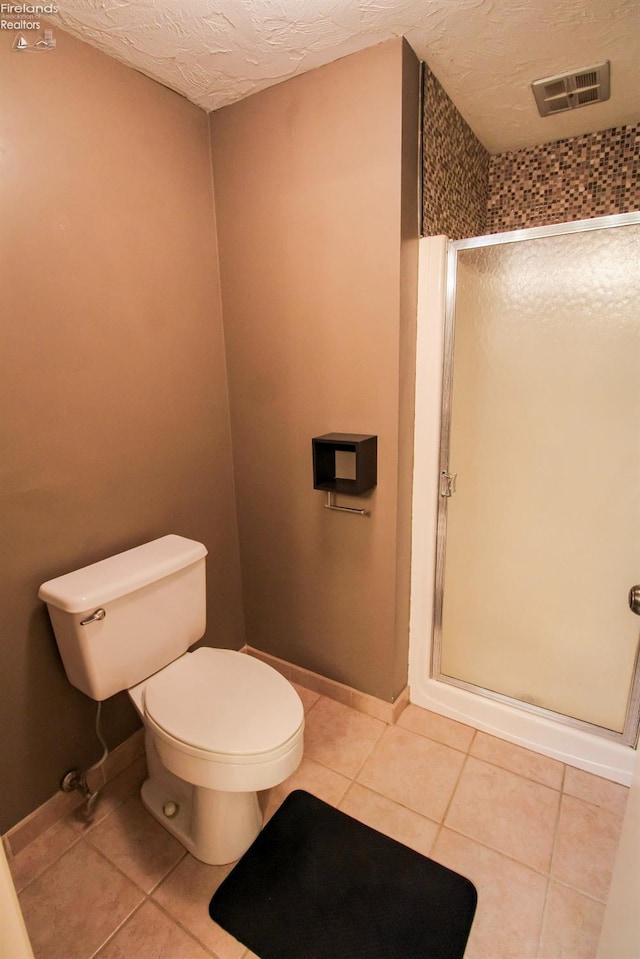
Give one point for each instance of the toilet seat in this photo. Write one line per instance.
(198, 704)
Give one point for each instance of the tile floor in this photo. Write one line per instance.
(537, 838)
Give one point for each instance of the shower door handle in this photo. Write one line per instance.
(634, 600)
(447, 483)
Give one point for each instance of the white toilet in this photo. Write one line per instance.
(219, 725)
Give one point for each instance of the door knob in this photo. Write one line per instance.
(634, 600)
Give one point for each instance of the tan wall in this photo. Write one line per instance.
(318, 271)
(114, 422)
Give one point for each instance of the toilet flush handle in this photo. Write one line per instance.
(94, 618)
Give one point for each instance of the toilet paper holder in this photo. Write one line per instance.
(331, 504)
(345, 463)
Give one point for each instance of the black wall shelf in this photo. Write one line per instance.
(365, 448)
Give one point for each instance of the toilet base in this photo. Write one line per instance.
(215, 827)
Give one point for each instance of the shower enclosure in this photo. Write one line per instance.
(536, 477)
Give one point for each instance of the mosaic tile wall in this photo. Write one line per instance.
(596, 174)
(467, 193)
(455, 169)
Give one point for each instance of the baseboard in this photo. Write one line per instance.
(363, 702)
(61, 804)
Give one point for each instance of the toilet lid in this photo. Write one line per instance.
(224, 702)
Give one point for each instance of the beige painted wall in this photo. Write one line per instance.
(114, 423)
(316, 197)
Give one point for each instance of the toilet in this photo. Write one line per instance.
(219, 725)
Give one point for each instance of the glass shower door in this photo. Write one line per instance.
(540, 481)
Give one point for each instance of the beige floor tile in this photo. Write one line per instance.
(442, 730)
(138, 845)
(340, 737)
(390, 818)
(314, 778)
(151, 934)
(513, 815)
(185, 895)
(595, 790)
(586, 844)
(524, 762)
(414, 771)
(73, 907)
(510, 898)
(31, 861)
(572, 924)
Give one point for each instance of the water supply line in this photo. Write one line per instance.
(76, 780)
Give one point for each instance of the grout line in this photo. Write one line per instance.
(554, 845)
(117, 868)
(513, 772)
(347, 791)
(543, 918)
(455, 788)
(110, 937)
(146, 892)
(580, 892)
(546, 908)
(397, 802)
(457, 749)
(564, 778)
(547, 894)
(173, 868)
(182, 925)
(499, 852)
(324, 765)
(371, 751)
(376, 792)
(439, 832)
(149, 897)
(96, 848)
(313, 704)
(49, 864)
(546, 874)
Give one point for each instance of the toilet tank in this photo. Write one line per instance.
(154, 604)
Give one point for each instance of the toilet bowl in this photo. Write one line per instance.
(219, 725)
(223, 725)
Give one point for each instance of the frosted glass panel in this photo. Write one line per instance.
(543, 531)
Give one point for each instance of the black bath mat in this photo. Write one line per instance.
(317, 884)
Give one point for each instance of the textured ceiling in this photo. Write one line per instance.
(484, 52)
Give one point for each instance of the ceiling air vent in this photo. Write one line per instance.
(568, 91)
